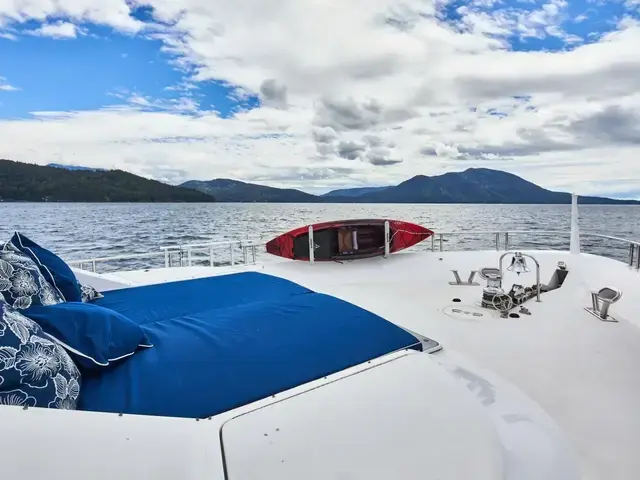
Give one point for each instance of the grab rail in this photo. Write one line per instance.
(188, 255)
(247, 247)
(634, 246)
(199, 253)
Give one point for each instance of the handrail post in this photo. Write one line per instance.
(433, 243)
(93, 266)
(574, 245)
(441, 242)
(497, 242)
(211, 255)
(188, 256)
(253, 253)
(233, 262)
(638, 258)
(166, 258)
(632, 249)
(387, 240)
(506, 241)
(312, 252)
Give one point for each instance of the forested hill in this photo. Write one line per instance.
(35, 183)
(474, 185)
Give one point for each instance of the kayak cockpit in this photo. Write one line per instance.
(335, 243)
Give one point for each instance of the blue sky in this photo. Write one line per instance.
(280, 89)
(96, 68)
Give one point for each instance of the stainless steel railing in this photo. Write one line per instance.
(188, 254)
(237, 252)
(247, 251)
(502, 239)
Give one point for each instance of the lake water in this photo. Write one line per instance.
(78, 231)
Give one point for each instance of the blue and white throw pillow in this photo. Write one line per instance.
(55, 270)
(89, 294)
(34, 370)
(94, 336)
(21, 283)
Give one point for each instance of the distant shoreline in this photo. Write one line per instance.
(617, 203)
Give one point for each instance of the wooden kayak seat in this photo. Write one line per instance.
(345, 240)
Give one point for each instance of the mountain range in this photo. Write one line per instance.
(474, 185)
(63, 183)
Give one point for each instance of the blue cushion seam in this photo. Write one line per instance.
(222, 309)
(42, 265)
(215, 309)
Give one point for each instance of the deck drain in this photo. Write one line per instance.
(514, 315)
(457, 300)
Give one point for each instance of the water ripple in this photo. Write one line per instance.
(77, 230)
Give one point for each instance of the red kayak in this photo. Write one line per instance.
(347, 240)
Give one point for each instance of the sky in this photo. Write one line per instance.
(323, 94)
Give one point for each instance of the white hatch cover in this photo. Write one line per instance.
(403, 419)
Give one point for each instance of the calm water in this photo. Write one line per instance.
(95, 230)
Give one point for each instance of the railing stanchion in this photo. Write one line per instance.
(632, 249)
(166, 258)
(506, 241)
(433, 243)
(93, 266)
(312, 252)
(441, 246)
(387, 240)
(188, 256)
(233, 260)
(253, 253)
(211, 255)
(638, 257)
(497, 242)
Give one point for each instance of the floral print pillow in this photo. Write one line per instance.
(21, 283)
(35, 371)
(89, 294)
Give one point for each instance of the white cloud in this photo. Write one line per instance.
(357, 92)
(56, 30)
(113, 13)
(6, 87)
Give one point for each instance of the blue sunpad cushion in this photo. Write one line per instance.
(211, 361)
(94, 336)
(34, 370)
(21, 282)
(52, 267)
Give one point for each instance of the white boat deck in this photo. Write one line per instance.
(581, 371)
(554, 395)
